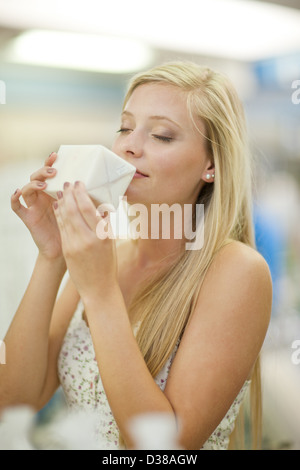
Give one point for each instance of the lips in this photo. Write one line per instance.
(138, 172)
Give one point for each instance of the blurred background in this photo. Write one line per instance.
(64, 67)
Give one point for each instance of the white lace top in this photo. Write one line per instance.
(83, 389)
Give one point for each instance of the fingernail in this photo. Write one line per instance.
(76, 184)
(50, 170)
(66, 185)
(59, 194)
(16, 191)
(40, 184)
(55, 205)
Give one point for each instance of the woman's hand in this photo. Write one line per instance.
(38, 216)
(91, 261)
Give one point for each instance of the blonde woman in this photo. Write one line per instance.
(157, 327)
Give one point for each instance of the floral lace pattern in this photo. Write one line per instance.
(80, 380)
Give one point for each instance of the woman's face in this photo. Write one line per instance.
(158, 137)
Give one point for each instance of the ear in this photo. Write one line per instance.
(209, 173)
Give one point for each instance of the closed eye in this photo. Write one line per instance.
(123, 130)
(162, 138)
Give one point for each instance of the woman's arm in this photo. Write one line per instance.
(29, 375)
(27, 340)
(129, 386)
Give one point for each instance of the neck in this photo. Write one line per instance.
(151, 253)
(160, 233)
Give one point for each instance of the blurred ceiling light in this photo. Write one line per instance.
(78, 51)
(236, 29)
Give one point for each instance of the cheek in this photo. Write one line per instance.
(174, 180)
(180, 169)
(185, 178)
(167, 160)
(116, 147)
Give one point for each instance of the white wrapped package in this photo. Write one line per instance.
(106, 176)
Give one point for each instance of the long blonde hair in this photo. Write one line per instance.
(165, 304)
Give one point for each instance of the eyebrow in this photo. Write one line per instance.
(156, 118)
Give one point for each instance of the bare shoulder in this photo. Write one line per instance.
(244, 265)
(241, 259)
(239, 277)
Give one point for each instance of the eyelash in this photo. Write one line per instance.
(159, 137)
(163, 138)
(123, 130)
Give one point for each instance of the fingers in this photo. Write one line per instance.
(43, 173)
(16, 205)
(86, 206)
(51, 159)
(38, 180)
(30, 190)
(46, 171)
(98, 220)
(75, 208)
(76, 220)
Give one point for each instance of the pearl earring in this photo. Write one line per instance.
(208, 176)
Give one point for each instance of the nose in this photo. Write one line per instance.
(132, 144)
